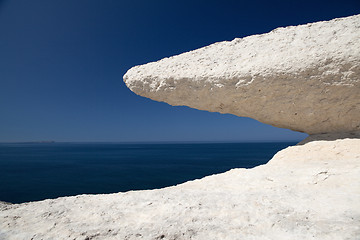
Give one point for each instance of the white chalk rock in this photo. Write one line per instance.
(305, 78)
(305, 192)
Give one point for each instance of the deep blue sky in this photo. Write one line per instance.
(62, 62)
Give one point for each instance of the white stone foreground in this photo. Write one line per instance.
(310, 191)
(305, 78)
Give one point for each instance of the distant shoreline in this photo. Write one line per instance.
(47, 141)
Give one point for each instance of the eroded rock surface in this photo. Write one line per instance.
(305, 78)
(305, 192)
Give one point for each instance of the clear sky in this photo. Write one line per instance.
(62, 62)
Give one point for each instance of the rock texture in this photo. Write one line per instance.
(310, 191)
(305, 78)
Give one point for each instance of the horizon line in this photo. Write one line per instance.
(153, 142)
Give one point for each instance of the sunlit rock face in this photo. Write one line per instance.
(305, 78)
(310, 191)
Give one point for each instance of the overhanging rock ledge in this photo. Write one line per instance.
(304, 78)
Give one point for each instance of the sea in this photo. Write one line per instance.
(38, 171)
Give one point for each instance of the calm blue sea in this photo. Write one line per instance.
(37, 171)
